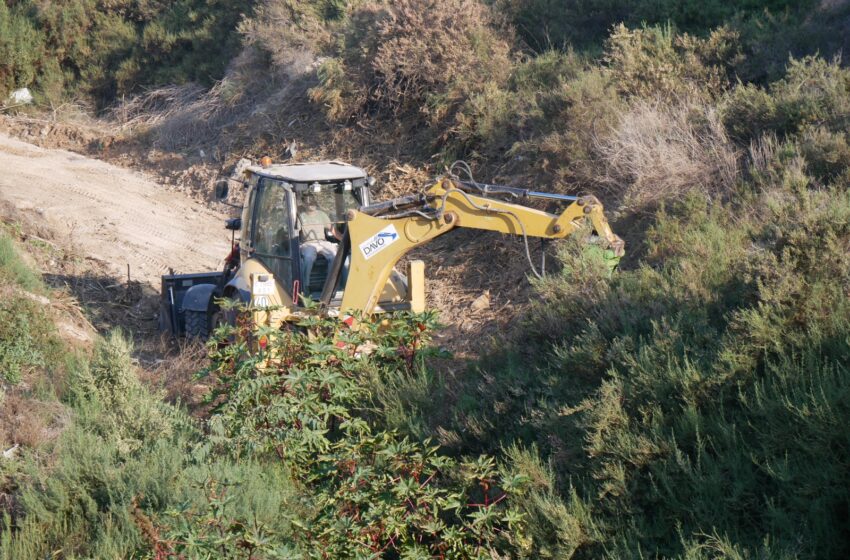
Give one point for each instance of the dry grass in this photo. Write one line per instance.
(29, 422)
(251, 108)
(180, 116)
(175, 372)
(771, 161)
(659, 151)
(762, 154)
(291, 32)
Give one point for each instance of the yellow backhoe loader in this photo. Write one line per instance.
(311, 231)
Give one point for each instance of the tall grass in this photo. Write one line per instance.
(27, 335)
(124, 456)
(662, 152)
(13, 269)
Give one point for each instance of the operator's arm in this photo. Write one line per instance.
(330, 227)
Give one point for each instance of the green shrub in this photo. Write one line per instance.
(770, 38)
(551, 130)
(694, 404)
(100, 49)
(298, 398)
(76, 497)
(132, 415)
(20, 49)
(545, 24)
(420, 59)
(657, 62)
(189, 40)
(814, 93)
(14, 270)
(532, 103)
(229, 510)
(827, 154)
(81, 506)
(27, 336)
(27, 340)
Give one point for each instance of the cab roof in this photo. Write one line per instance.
(307, 172)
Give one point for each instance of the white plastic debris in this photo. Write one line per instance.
(21, 96)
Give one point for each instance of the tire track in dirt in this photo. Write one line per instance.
(112, 214)
(150, 230)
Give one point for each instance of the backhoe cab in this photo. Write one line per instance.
(292, 223)
(311, 230)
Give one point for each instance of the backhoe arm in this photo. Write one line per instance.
(381, 234)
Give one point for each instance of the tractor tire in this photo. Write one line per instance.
(197, 324)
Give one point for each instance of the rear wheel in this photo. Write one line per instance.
(197, 324)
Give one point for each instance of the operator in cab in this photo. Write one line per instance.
(314, 222)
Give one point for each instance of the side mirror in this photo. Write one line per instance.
(221, 189)
(234, 224)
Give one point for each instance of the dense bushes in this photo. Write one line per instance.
(546, 24)
(75, 497)
(657, 62)
(299, 402)
(414, 59)
(638, 128)
(429, 56)
(451, 78)
(293, 464)
(20, 44)
(100, 49)
(700, 397)
(691, 406)
(814, 93)
(69, 475)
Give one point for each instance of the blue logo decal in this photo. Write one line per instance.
(388, 234)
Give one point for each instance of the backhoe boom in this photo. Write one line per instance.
(381, 234)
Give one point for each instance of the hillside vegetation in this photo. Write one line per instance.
(693, 405)
(100, 49)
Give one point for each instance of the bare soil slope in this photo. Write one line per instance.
(162, 218)
(112, 215)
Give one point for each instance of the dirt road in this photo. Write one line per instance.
(111, 214)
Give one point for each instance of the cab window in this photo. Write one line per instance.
(247, 210)
(324, 208)
(272, 236)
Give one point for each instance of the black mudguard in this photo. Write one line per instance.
(199, 297)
